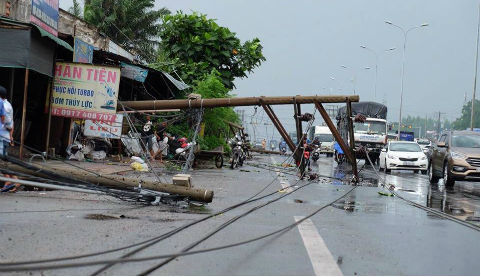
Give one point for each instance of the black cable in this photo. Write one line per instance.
(440, 214)
(154, 242)
(63, 161)
(83, 264)
(218, 229)
(166, 235)
(122, 195)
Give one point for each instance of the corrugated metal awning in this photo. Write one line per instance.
(178, 84)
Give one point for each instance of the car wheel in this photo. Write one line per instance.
(386, 170)
(448, 180)
(432, 178)
(416, 171)
(424, 172)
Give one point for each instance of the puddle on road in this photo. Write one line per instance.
(101, 217)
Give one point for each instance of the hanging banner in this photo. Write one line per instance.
(133, 72)
(82, 51)
(45, 15)
(100, 129)
(85, 91)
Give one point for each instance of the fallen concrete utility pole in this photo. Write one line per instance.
(200, 195)
(265, 151)
(234, 102)
(266, 103)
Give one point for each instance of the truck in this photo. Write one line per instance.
(371, 134)
(325, 137)
(406, 136)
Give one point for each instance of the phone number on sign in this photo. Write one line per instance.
(83, 114)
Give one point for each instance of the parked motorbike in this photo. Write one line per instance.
(316, 153)
(283, 150)
(238, 153)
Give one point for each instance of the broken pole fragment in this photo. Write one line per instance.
(200, 195)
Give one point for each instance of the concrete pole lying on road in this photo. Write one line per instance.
(200, 195)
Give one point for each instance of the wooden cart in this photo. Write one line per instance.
(217, 154)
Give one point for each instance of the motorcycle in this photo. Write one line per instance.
(283, 150)
(238, 153)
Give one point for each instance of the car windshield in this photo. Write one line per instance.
(423, 142)
(371, 127)
(325, 137)
(467, 141)
(405, 147)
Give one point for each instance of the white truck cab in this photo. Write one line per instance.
(323, 133)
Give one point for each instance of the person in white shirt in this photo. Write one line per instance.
(6, 126)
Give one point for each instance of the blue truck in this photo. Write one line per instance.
(406, 136)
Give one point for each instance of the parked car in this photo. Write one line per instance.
(455, 157)
(403, 155)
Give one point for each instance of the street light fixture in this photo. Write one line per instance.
(405, 33)
(354, 73)
(377, 61)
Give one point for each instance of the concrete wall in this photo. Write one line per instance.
(74, 26)
(20, 9)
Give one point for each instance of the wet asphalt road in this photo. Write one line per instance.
(362, 234)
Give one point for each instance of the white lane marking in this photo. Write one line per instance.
(321, 259)
(282, 179)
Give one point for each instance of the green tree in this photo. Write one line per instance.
(133, 24)
(76, 9)
(216, 130)
(196, 45)
(464, 122)
(209, 57)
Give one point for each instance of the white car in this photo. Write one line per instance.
(425, 144)
(403, 155)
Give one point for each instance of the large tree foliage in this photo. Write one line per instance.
(134, 24)
(215, 128)
(196, 45)
(209, 57)
(464, 122)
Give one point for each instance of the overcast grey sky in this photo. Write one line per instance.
(306, 42)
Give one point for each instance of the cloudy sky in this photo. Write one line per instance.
(306, 43)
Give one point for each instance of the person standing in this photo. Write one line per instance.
(4, 133)
(6, 129)
(147, 135)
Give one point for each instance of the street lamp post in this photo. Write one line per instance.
(377, 61)
(354, 73)
(405, 33)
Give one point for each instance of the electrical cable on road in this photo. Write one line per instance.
(144, 153)
(83, 264)
(122, 195)
(150, 270)
(412, 203)
(218, 229)
(163, 236)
